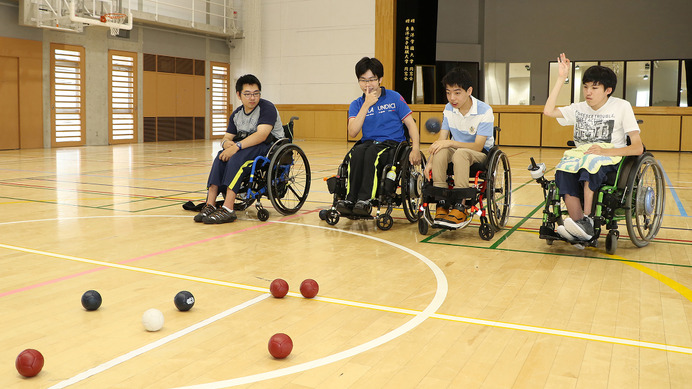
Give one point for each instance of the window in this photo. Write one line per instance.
(122, 97)
(219, 98)
(519, 91)
(637, 83)
(67, 95)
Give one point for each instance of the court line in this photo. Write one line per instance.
(681, 208)
(134, 353)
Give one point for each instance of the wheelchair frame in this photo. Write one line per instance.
(632, 196)
(409, 181)
(273, 176)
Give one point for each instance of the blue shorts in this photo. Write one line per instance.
(573, 183)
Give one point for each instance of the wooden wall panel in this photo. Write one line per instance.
(331, 125)
(555, 135)
(686, 134)
(521, 129)
(150, 89)
(184, 95)
(304, 127)
(385, 28)
(9, 103)
(30, 102)
(198, 96)
(660, 132)
(166, 90)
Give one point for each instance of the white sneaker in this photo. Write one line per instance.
(562, 231)
(581, 229)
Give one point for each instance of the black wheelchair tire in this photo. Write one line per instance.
(643, 224)
(384, 222)
(486, 231)
(278, 187)
(499, 212)
(423, 226)
(332, 217)
(262, 215)
(411, 190)
(611, 242)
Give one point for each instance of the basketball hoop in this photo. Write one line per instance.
(115, 19)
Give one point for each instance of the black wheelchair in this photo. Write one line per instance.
(634, 193)
(283, 175)
(489, 194)
(404, 192)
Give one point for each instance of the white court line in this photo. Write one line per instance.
(126, 357)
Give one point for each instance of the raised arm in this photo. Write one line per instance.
(563, 72)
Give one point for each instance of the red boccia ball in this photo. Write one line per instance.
(309, 288)
(29, 362)
(280, 345)
(278, 288)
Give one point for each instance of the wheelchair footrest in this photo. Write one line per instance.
(433, 194)
(547, 233)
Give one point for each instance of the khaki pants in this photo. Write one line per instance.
(462, 158)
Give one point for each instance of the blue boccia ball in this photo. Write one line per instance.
(433, 125)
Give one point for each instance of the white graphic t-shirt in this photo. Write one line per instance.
(609, 124)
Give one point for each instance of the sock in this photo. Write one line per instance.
(226, 208)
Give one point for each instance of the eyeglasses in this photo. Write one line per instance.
(367, 81)
(247, 95)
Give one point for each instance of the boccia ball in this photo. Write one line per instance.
(91, 300)
(152, 319)
(433, 125)
(309, 288)
(29, 362)
(184, 300)
(278, 288)
(280, 345)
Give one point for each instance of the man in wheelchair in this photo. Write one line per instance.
(470, 123)
(601, 125)
(251, 129)
(381, 115)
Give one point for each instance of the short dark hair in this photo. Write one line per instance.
(601, 75)
(247, 79)
(459, 77)
(373, 64)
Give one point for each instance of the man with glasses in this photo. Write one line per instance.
(381, 115)
(252, 128)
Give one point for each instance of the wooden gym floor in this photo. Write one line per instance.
(395, 309)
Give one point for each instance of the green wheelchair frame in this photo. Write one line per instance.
(635, 193)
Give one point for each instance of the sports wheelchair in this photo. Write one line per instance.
(634, 193)
(283, 175)
(406, 191)
(491, 181)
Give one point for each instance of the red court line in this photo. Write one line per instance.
(64, 278)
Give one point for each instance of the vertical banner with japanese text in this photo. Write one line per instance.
(416, 41)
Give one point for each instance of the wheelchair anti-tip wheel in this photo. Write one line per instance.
(499, 190)
(288, 179)
(646, 198)
(384, 222)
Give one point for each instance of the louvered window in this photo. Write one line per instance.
(67, 95)
(219, 98)
(122, 97)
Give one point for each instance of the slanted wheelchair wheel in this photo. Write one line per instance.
(486, 231)
(263, 214)
(332, 217)
(646, 198)
(498, 192)
(612, 241)
(412, 188)
(384, 222)
(288, 179)
(423, 226)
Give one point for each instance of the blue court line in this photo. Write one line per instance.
(673, 192)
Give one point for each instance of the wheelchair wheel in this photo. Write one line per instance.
(646, 198)
(612, 241)
(423, 226)
(412, 187)
(263, 215)
(288, 179)
(498, 192)
(486, 231)
(384, 222)
(332, 217)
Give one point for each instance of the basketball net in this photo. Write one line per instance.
(115, 17)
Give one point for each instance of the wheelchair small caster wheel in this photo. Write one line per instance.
(323, 214)
(486, 231)
(332, 217)
(263, 215)
(612, 241)
(384, 222)
(549, 242)
(423, 226)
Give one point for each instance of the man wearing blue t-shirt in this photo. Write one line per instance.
(470, 123)
(381, 115)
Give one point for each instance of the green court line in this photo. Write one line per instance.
(516, 226)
